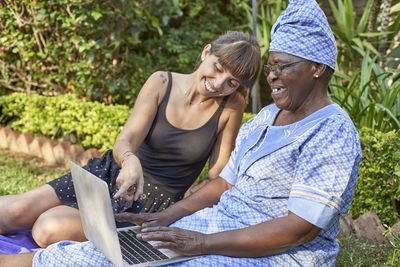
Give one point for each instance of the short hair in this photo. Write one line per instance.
(239, 53)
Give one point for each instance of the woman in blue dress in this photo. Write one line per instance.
(292, 173)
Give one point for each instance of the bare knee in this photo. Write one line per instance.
(45, 231)
(13, 215)
(53, 226)
(21, 211)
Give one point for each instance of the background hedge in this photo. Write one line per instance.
(378, 186)
(104, 49)
(95, 124)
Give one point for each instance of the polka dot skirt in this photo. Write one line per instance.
(156, 197)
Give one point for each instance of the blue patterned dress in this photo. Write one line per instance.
(309, 167)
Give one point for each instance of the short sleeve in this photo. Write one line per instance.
(326, 171)
(228, 172)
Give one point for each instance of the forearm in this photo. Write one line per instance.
(122, 149)
(205, 197)
(275, 236)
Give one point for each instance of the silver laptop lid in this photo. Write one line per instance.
(96, 213)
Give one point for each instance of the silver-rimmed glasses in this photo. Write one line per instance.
(278, 68)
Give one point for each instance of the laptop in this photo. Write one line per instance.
(120, 245)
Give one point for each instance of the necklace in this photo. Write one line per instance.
(191, 102)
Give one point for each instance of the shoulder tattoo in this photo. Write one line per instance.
(164, 79)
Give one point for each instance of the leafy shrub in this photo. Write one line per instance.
(370, 95)
(378, 186)
(394, 258)
(100, 49)
(247, 116)
(96, 124)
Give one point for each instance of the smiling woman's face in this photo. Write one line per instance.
(292, 85)
(215, 79)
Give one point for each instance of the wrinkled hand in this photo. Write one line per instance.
(145, 219)
(185, 242)
(130, 180)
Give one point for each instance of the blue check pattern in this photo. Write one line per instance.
(312, 174)
(303, 30)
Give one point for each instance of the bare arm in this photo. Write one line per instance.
(274, 236)
(133, 134)
(210, 193)
(225, 143)
(206, 196)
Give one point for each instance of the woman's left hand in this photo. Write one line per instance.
(146, 219)
(185, 242)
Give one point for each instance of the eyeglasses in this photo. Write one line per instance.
(278, 68)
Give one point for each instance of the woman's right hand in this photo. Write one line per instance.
(145, 219)
(130, 180)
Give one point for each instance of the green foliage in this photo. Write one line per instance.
(183, 40)
(350, 37)
(267, 13)
(372, 101)
(96, 124)
(70, 45)
(354, 38)
(378, 185)
(100, 49)
(247, 116)
(394, 258)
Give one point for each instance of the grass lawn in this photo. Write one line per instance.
(20, 174)
(357, 252)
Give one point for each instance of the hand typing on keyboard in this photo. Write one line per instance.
(185, 242)
(146, 219)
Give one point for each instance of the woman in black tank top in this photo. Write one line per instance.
(179, 121)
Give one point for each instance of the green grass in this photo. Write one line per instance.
(358, 252)
(19, 175)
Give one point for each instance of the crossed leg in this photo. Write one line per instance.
(42, 211)
(57, 224)
(20, 260)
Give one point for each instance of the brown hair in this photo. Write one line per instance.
(239, 53)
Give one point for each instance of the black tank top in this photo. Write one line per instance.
(175, 157)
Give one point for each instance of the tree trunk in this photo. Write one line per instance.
(384, 28)
(376, 9)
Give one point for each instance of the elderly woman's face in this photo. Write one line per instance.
(291, 80)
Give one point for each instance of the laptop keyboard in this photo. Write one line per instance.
(135, 251)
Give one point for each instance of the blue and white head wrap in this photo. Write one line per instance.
(303, 31)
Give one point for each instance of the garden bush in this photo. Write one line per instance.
(101, 49)
(96, 124)
(378, 186)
